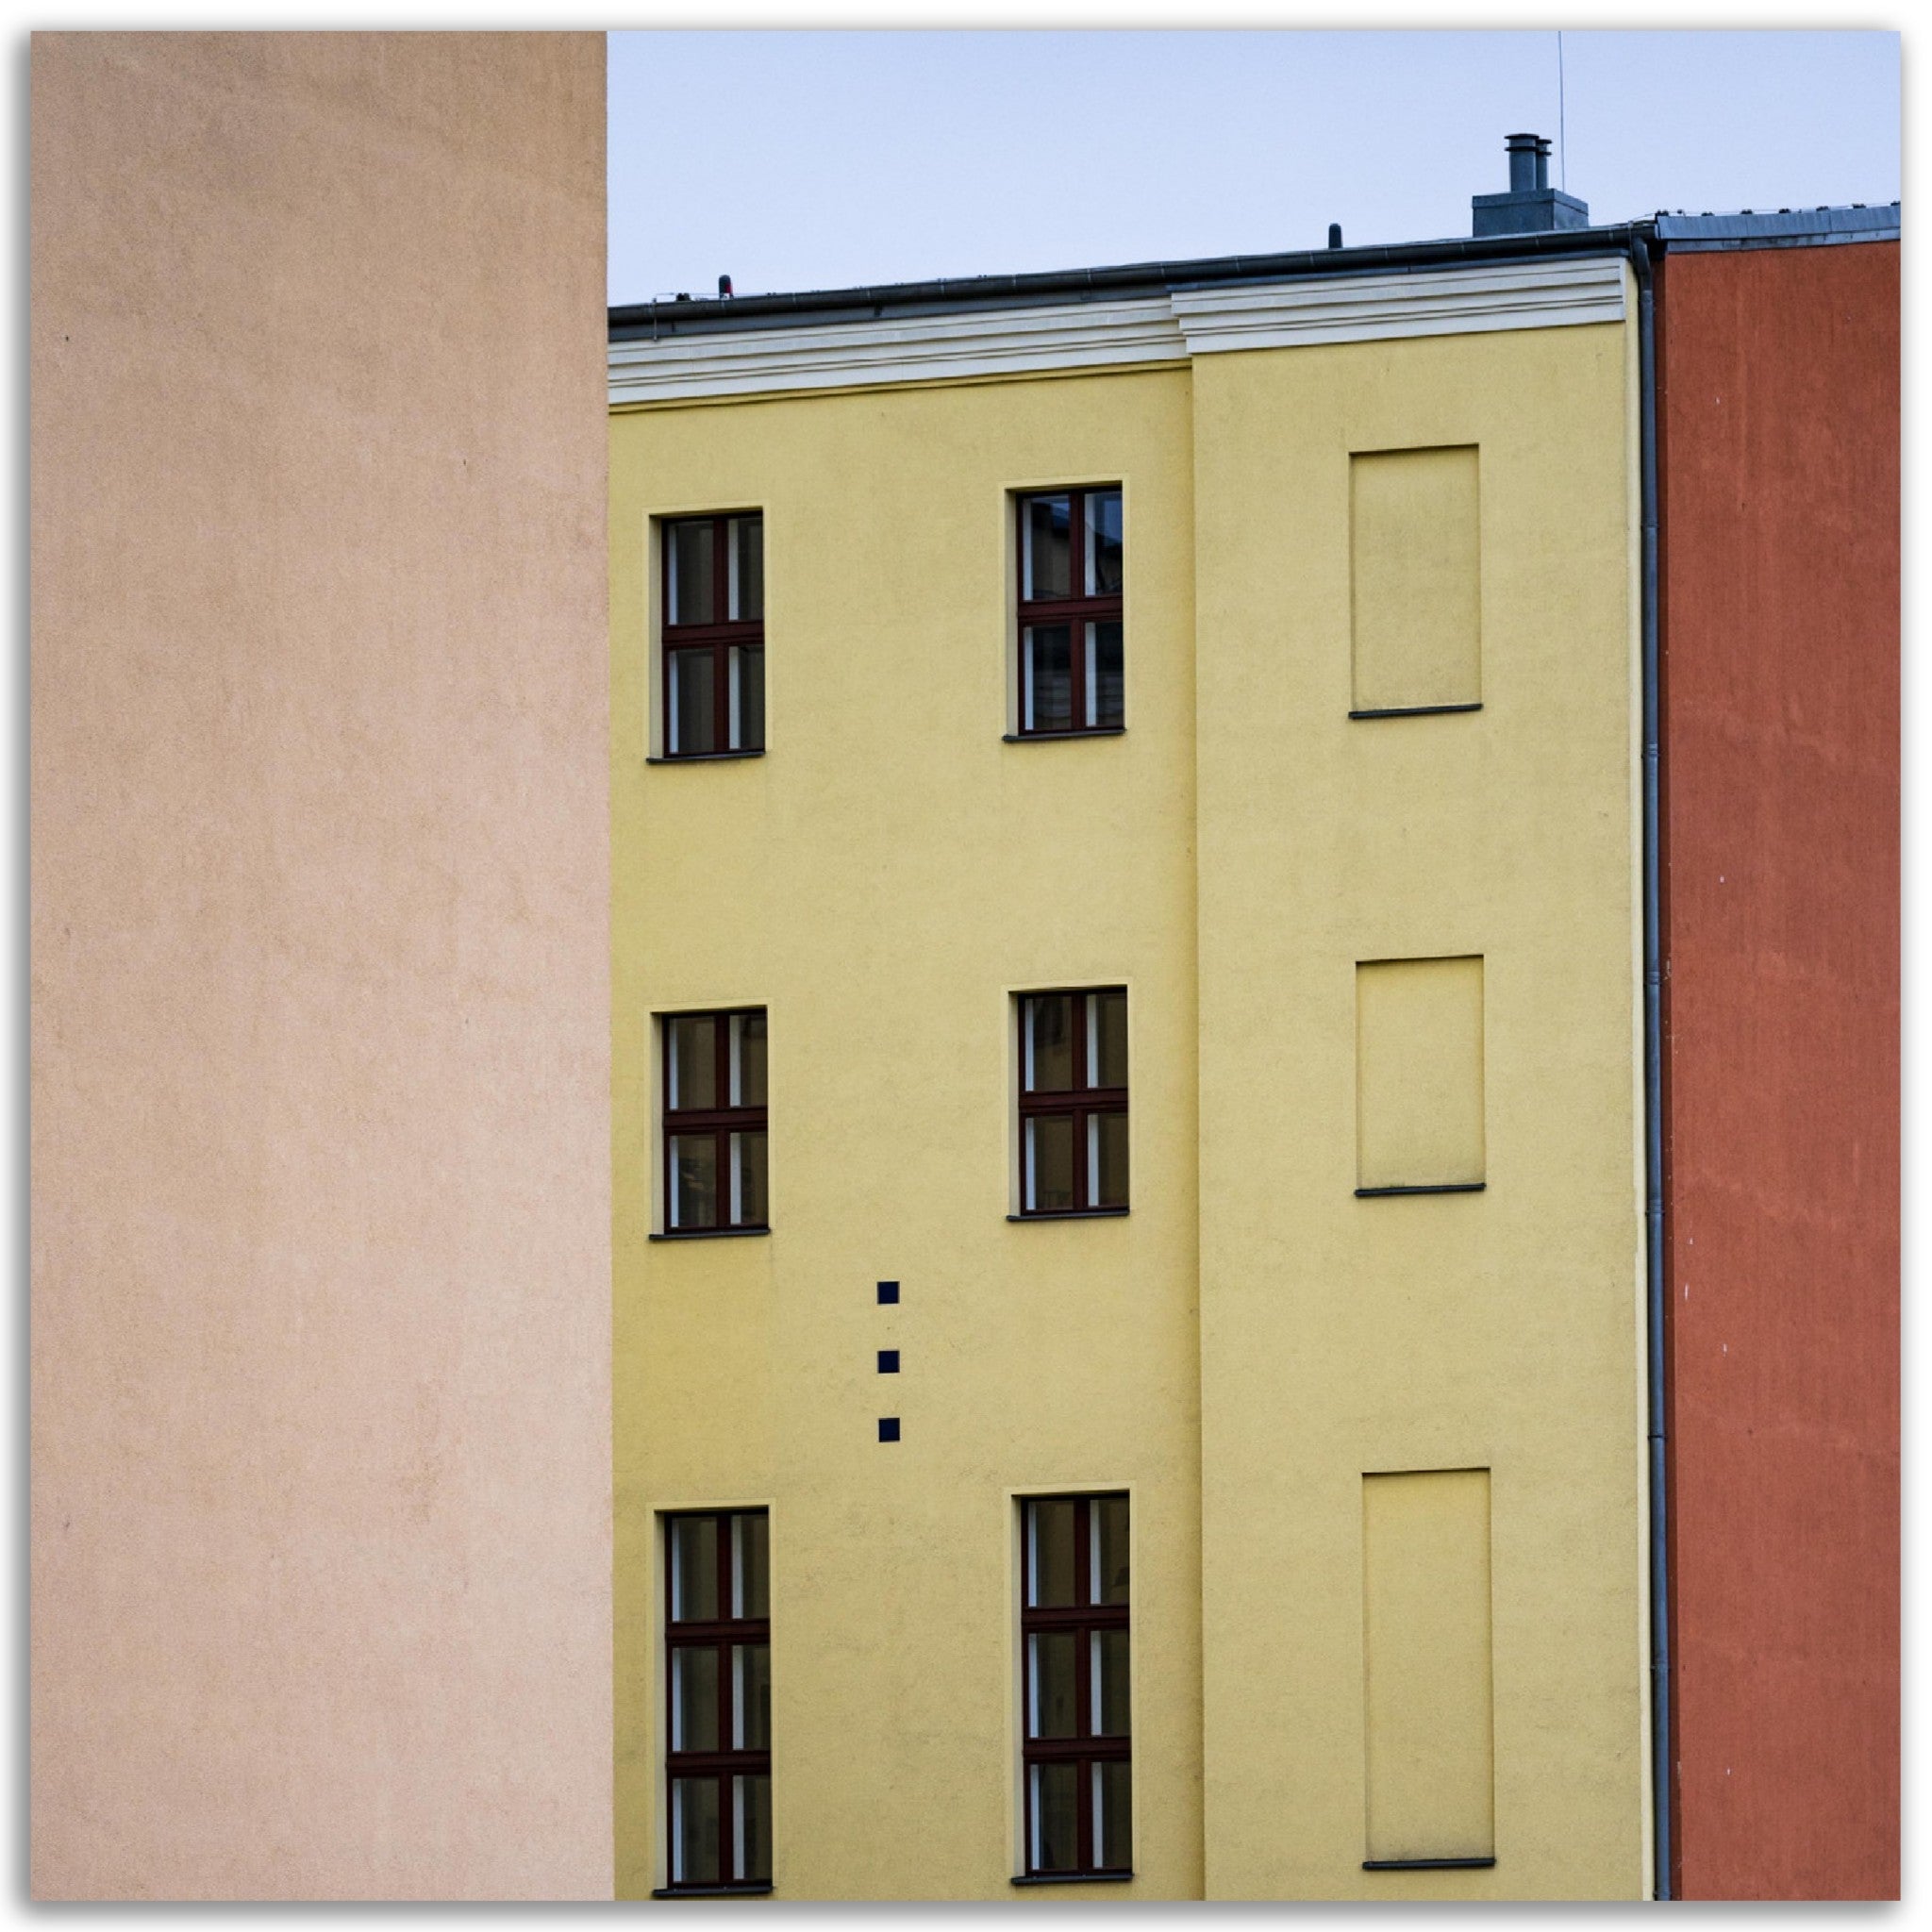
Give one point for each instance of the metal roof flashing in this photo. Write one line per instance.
(1803, 227)
(812, 308)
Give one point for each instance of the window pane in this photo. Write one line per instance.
(747, 1048)
(1107, 1672)
(1107, 684)
(1103, 537)
(693, 1180)
(747, 687)
(1108, 1516)
(1107, 1040)
(748, 1204)
(751, 1591)
(694, 1698)
(750, 1802)
(1049, 1157)
(1050, 1552)
(694, 1569)
(1053, 1708)
(1044, 562)
(747, 547)
(1055, 1817)
(751, 1697)
(1113, 1816)
(695, 1831)
(1048, 1044)
(692, 1061)
(1046, 678)
(693, 712)
(1106, 1159)
(689, 563)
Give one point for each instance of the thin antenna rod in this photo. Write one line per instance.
(1562, 146)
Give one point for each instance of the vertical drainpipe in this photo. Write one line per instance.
(1653, 1073)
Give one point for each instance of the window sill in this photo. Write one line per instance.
(1435, 1188)
(1426, 1864)
(1416, 710)
(1076, 1878)
(712, 1891)
(1054, 736)
(703, 758)
(708, 1233)
(1074, 1214)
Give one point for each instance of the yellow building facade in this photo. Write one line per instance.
(1355, 1325)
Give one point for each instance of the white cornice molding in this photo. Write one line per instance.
(1433, 302)
(924, 348)
(1094, 335)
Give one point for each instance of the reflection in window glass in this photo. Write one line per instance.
(1106, 1159)
(1045, 562)
(747, 1050)
(1048, 677)
(746, 688)
(694, 1698)
(751, 1573)
(751, 1697)
(748, 1204)
(689, 560)
(694, 1569)
(1108, 1675)
(692, 1060)
(745, 547)
(1054, 1705)
(1049, 1162)
(1055, 1817)
(1107, 1039)
(1113, 1815)
(695, 1831)
(752, 1800)
(1108, 1518)
(1104, 575)
(1050, 1558)
(1049, 1040)
(693, 724)
(1106, 676)
(693, 1180)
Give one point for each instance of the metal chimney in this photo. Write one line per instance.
(1531, 203)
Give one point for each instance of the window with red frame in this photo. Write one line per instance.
(714, 636)
(1073, 1102)
(714, 1122)
(1071, 576)
(1078, 1751)
(718, 1676)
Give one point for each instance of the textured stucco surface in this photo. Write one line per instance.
(320, 1196)
(1780, 414)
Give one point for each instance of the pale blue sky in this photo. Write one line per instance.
(818, 160)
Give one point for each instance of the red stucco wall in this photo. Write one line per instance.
(1780, 470)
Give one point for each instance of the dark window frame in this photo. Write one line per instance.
(721, 1634)
(1075, 612)
(718, 637)
(1083, 1617)
(1078, 1102)
(721, 1122)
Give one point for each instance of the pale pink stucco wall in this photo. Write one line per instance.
(320, 869)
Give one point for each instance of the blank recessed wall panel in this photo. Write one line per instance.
(1416, 578)
(1418, 1073)
(1425, 1665)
